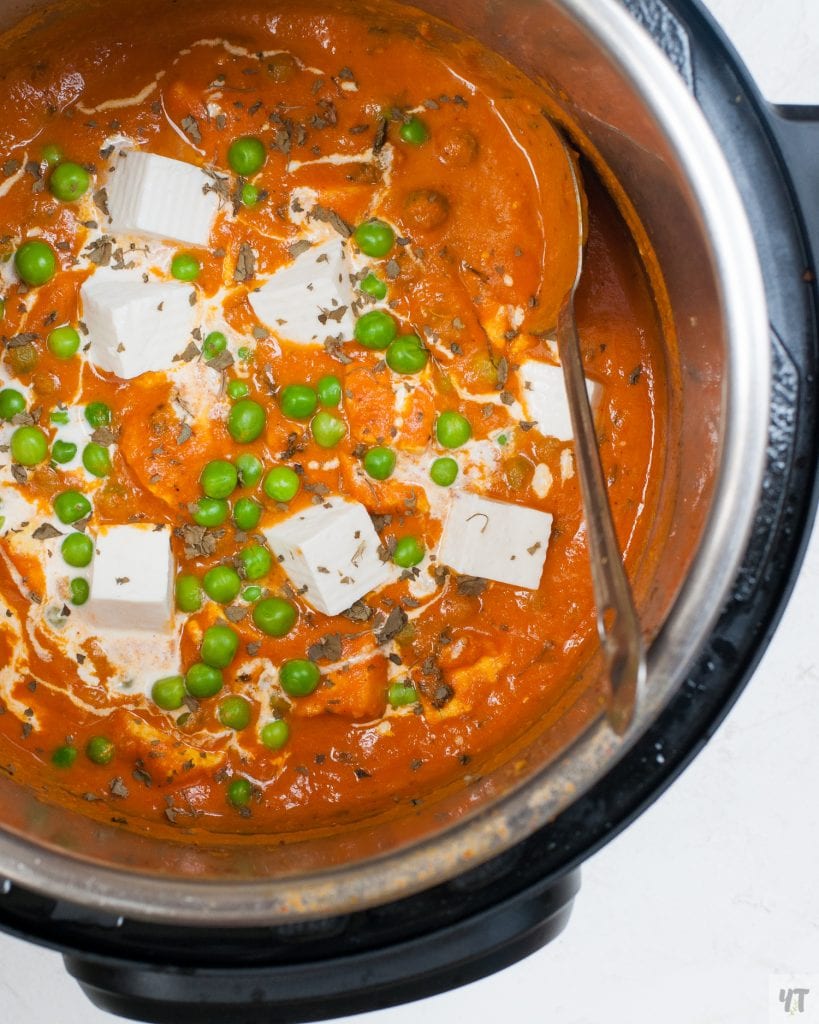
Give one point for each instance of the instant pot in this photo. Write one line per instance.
(170, 932)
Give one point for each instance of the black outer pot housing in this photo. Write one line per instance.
(505, 909)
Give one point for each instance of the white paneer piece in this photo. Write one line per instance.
(154, 195)
(135, 327)
(132, 578)
(311, 298)
(330, 550)
(544, 399)
(495, 540)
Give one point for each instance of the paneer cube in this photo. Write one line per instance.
(153, 195)
(495, 540)
(135, 327)
(544, 398)
(330, 554)
(132, 578)
(309, 299)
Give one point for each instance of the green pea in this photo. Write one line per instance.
(12, 402)
(213, 344)
(202, 681)
(375, 329)
(444, 471)
(35, 262)
(274, 735)
(69, 182)
(52, 154)
(249, 469)
(59, 416)
(237, 389)
(63, 342)
(274, 616)
(327, 429)
(245, 354)
(246, 421)
(299, 677)
(234, 712)
(29, 446)
(63, 451)
(2, 309)
(77, 550)
(100, 750)
(298, 401)
(219, 646)
(414, 132)
(256, 561)
(71, 506)
(239, 792)
(379, 462)
(251, 594)
(250, 194)
(185, 267)
(246, 514)
(96, 459)
(281, 483)
(79, 590)
(328, 390)
(169, 693)
(211, 512)
(246, 155)
(374, 238)
(409, 551)
(222, 584)
(98, 414)
(189, 596)
(452, 429)
(374, 286)
(64, 757)
(219, 478)
(407, 355)
(401, 694)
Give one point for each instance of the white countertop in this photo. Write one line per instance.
(693, 913)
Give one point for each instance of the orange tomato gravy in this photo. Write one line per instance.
(478, 278)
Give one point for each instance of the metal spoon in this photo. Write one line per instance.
(617, 622)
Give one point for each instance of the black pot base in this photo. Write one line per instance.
(316, 990)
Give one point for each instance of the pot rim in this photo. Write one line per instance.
(541, 798)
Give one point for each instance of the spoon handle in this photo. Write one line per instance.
(617, 622)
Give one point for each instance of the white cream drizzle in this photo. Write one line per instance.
(514, 409)
(125, 101)
(542, 480)
(566, 464)
(175, 127)
(337, 159)
(12, 673)
(12, 180)
(148, 89)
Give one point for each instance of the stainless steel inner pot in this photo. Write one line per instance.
(634, 110)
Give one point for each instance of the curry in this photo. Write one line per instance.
(291, 529)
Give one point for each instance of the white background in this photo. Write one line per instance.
(689, 916)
